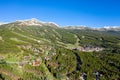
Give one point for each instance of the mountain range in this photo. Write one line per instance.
(36, 22)
(32, 49)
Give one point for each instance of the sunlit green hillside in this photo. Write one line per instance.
(49, 52)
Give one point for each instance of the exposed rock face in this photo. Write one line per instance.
(30, 22)
(35, 22)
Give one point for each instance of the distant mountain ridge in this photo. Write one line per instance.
(109, 28)
(36, 22)
(32, 22)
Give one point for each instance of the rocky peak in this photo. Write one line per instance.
(30, 22)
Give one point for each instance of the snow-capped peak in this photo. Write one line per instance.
(32, 21)
(36, 22)
(109, 27)
(51, 24)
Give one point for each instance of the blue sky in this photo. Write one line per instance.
(92, 13)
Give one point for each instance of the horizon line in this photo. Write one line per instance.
(105, 26)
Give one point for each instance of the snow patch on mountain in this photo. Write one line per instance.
(114, 28)
(36, 22)
(76, 27)
(51, 24)
(30, 22)
(109, 27)
(105, 28)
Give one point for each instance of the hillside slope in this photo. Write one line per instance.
(44, 51)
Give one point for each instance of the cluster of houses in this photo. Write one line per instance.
(21, 64)
(89, 49)
(1, 57)
(40, 49)
(36, 62)
(26, 60)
